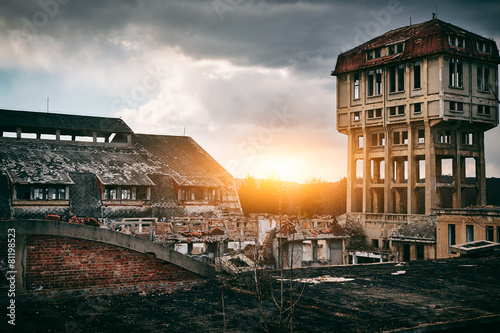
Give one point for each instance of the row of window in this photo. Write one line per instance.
(454, 41)
(126, 193)
(385, 51)
(400, 137)
(469, 234)
(400, 110)
(40, 192)
(397, 78)
(457, 41)
(198, 193)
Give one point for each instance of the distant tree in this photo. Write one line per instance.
(270, 189)
(339, 198)
(311, 196)
(249, 195)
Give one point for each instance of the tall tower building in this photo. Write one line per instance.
(415, 104)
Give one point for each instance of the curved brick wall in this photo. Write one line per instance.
(63, 264)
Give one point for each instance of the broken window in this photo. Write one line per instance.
(483, 110)
(456, 106)
(456, 41)
(378, 140)
(417, 108)
(444, 136)
(356, 85)
(40, 192)
(456, 73)
(374, 82)
(397, 110)
(416, 75)
(400, 137)
(469, 230)
(421, 135)
(483, 47)
(126, 193)
(470, 170)
(397, 78)
(467, 138)
(489, 233)
(377, 113)
(401, 77)
(378, 81)
(445, 165)
(110, 193)
(371, 77)
(483, 77)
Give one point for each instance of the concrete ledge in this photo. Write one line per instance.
(42, 227)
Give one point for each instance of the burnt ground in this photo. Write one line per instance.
(428, 292)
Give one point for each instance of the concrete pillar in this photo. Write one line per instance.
(430, 170)
(458, 168)
(410, 194)
(366, 173)
(388, 174)
(58, 135)
(350, 173)
(18, 131)
(481, 171)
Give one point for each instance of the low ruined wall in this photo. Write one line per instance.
(56, 257)
(61, 264)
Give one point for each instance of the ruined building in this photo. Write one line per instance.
(415, 104)
(98, 167)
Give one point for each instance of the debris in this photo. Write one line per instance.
(320, 279)
(398, 273)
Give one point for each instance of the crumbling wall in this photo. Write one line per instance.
(62, 264)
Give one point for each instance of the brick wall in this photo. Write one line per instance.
(62, 264)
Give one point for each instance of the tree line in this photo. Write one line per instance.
(314, 197)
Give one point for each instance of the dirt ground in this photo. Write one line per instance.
(375, 300)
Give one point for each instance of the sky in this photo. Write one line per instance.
(249, 80)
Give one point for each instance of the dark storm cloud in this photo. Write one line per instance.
(305, 35)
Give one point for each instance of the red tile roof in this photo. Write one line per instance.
(424, 39)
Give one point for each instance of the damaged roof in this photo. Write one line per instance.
(424, 39)
(424, 232)
(184, 160)
(35, 121)
(36, 162)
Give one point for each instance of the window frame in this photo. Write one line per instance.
(356, 86)
(456, 73)
(402, 137)
(397, 78)
(483, 77)
(417, 69)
